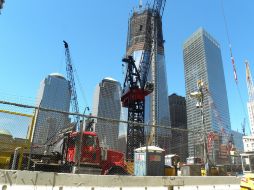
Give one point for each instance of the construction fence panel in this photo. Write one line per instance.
(15, 126)
(50, 140)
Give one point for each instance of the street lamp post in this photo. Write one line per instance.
(199, 96)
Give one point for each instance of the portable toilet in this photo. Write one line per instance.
(149, 161)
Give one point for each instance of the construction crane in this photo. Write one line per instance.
(250, 103)
(1, 5)
(136, 87)
(70, 77)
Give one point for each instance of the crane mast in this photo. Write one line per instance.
(250, 103)
(249, 82)
(136, 86)
(70, 77)
(1, 4)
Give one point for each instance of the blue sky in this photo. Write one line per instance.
(31, 34)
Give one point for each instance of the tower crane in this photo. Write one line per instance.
(136, 87)
(250, 103)
(70, 77)
(1, 5)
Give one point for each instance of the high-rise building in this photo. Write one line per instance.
(202, 61)
(138, 46)
(248, 143)
(54, 93)
(238, 140)
(107, 104)
(178, 120)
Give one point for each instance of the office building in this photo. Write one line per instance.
(107, 104)
(248, 143)
(54, 93)
(178, 120)
(237, 140)
(138, 46)
(202, 61)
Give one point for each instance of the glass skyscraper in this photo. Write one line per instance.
(107, 104)
(138, 43)
(202, 61)
(54, 93)
(178, 118)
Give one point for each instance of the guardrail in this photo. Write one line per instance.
(12, 179)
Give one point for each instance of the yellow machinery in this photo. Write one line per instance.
(8, 144)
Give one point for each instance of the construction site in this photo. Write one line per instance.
(128, 140)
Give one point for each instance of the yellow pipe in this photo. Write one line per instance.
(31, 128)
(16, 113)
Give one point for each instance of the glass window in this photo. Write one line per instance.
(89, 140)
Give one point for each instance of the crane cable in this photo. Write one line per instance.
(232, 58)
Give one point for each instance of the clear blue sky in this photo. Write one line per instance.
(31, 34)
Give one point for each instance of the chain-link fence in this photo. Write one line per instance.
(15, 124)
(42, 139)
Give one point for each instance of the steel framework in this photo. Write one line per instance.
(70, 77)
(136, 87)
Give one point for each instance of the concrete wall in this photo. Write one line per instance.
(54, 181)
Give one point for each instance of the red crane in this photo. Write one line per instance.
(136, 87)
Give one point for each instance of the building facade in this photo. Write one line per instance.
(107, 104)
(178, 120)
(248, 143)
(139, 46)
(54, 93)
(237, 140)
(202, 61)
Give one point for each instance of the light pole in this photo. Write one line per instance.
(199, 96)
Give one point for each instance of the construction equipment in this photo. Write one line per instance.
(76, 150)
(136, 86)
(250, 103)
(70, 77)
(93, 158)
(1, 4)
(8, 146)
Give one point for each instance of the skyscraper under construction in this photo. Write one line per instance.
(145, 45)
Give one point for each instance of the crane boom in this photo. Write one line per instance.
(70, 77)
(136, 85)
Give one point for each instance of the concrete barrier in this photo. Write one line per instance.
(11, 179)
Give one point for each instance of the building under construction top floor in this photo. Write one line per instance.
(145, 45)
